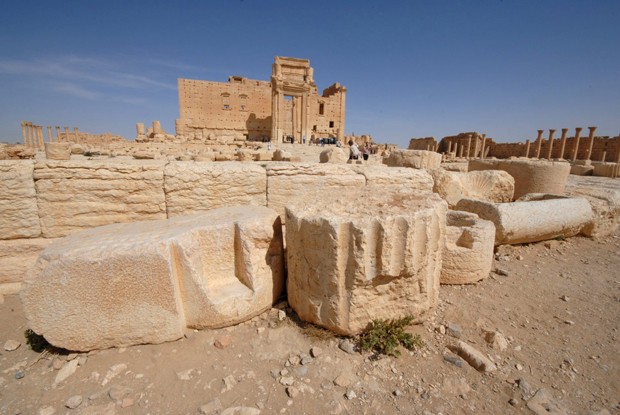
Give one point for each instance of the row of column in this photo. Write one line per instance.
(539, 141)
(32, 135)
(478, 151)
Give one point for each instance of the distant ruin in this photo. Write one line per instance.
(477, 145)
(288, 108)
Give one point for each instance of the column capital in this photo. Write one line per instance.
(564, 130)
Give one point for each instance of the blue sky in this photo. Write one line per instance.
(412, 68)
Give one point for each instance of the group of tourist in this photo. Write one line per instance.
(354, 151)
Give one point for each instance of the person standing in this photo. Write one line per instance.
(354, 151)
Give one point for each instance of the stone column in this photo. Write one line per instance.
(551, 133)
(564, 131)
(24, 138)
(50, 137)
(604, 156)
(468, 145)
(591, 141)
(66, 133)
(31, 141)
(539, 140)
(576, 148)
(58, 137)
(40, 135)
(449, 147)
(484, 137)
(77, 135)
(461, 151)
(527, 148)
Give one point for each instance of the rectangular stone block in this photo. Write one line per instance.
(193, 187)
(382, 177)
(76, 195)
(145, 282)
(288, 183)
(19, 217)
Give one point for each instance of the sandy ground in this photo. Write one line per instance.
(556, 304)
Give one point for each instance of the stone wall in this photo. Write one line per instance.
(41, 200)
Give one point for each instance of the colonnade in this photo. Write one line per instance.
(32, 135)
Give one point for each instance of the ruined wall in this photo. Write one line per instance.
(426, 143)
(240, 107)
(43, 200)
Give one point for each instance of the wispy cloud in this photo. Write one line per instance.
(76, 91)
(73, 69)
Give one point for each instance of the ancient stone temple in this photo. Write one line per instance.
(286, 108)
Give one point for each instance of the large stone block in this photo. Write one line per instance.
(291, 183)
(382, 178)
(540, 218)
(334, 155)
(355, 258)
(144, 282)
(604, 197)
(531, 176)
(606, 169)
(417, 159)
(76, 195)
(19, 217)
(196, 187)
(468, 253)
(489, 185)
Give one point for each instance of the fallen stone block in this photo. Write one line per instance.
(489, 185)
(334, 155)
(199, 187)
(281, 155)
(360, 256)
(580, 170)
(531, 176)
(468, 253)
(144, 282)
(417, 159)
(473, 356)
(604, 197)
(19, 212)
(540, 218)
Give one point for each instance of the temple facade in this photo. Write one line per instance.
(288, 107)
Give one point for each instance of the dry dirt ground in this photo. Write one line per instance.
(556, 304)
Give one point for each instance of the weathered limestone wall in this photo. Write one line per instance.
(289, 183)
(19, 216)
(193, 187)
(76, 195)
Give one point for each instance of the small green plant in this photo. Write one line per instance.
(36, 342)
(385, 336)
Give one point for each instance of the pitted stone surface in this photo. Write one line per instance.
(361, 256)
(538, 219)
(382, 177)
(604, 197)
(193, 187)
(19, 217)
(144, 282)
(292, 183)
(417, 159)
(489, 185)
(58, 151)
(468, 253)
(76, 195)
(531, 176)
